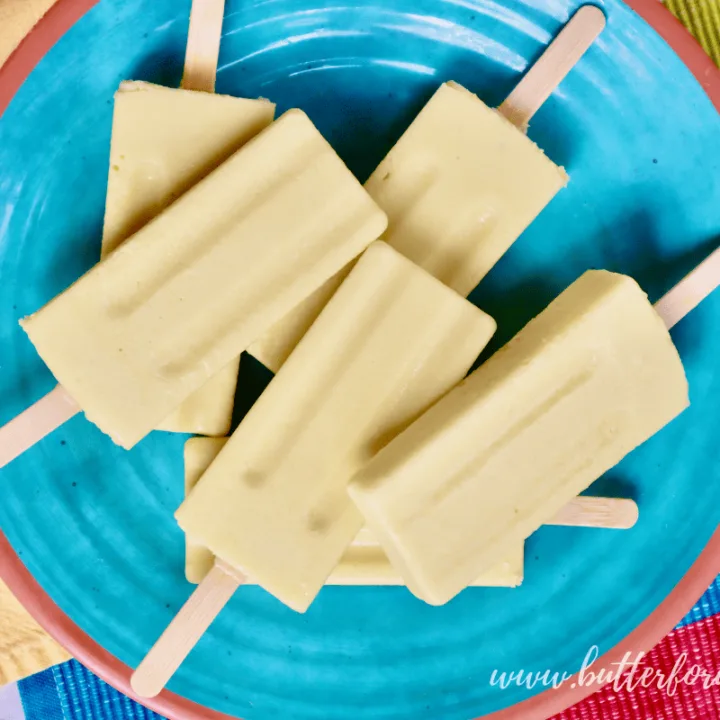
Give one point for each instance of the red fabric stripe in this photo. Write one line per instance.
(693, 646)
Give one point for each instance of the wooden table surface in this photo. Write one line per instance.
(16, 18)
(25, 648)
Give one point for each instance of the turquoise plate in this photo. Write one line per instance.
(93, 524)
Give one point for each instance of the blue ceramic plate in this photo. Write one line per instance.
(93, 523)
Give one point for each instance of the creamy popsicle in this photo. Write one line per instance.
(179, 301)
(591, 378)
(164, 141)
(459, 187)
(363, 563)
(274, 505)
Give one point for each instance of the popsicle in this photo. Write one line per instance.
(365, 562)
(584, 383)
(163, 142)
(461, 184)
(273, 505)
(393, 341)
(128, 353)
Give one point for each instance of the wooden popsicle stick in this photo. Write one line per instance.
(203, 46)
(583, 511)
(554, 64)
(185, 630)
(33, 424)
(690, 291)
(598, 512)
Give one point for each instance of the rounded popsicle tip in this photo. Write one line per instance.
(593, 16)
(628, 514)
(145, 684)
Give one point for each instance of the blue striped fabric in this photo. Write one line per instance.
(40, 699)
(83, 695)
(71, 692)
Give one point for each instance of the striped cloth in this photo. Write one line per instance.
(68, 692)
(695, 642)
(702, 18)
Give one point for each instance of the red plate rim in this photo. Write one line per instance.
(59, 19)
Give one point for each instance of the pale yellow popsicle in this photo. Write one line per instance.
(459, 187)
(363, 563)
(181, 299)
(274, 503)
(583, 384)
(164, 141)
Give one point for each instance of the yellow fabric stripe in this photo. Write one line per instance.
(702, 18)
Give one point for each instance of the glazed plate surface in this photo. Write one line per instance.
(93, 523)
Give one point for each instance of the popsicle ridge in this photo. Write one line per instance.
(156, 275)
